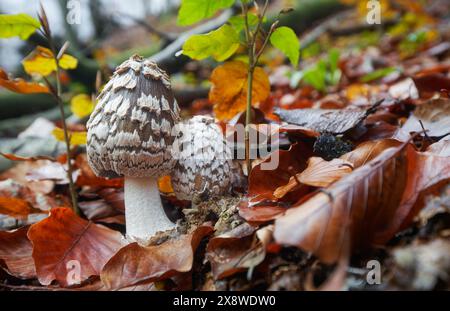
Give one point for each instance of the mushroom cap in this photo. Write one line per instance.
(204, 162)
(130, 129)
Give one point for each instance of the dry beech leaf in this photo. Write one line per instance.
(19, 85)
(15, 207)
(260, 212)
(319, 173)
(87, 177)
(134, 264)
(435, 117)
(442, 148)
(323, 120)
(261, 204)
(63, 239)
(367, 151)
(229, 88)
(14, 157)
(367, 206)
(36, 194)
(427, 84)
(15, 252)
(262, 183)
(234, 251)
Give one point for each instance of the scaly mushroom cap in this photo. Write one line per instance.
(203, 159)
(129, 132)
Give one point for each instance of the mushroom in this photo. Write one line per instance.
(130, 135)
(204, 162)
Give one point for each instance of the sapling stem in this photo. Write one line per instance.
(57, 95)
(253, 58)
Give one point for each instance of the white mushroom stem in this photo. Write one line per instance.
(144, 213)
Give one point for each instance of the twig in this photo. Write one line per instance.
(167, 36)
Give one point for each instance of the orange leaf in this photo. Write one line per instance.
(229, 88)
(319, 173)
(15, 251)
(134, 264)
(88, 178)
(15, 207)
(64, 242)
(262, 183)
(165, 184)
(14, 157)
(19, 85)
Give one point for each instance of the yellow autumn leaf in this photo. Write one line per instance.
(81, 105)
(41, 62)
(76, 138)
(229, 88)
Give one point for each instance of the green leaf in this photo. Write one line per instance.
(193, 11)
(334, 74)
(285, 39)
(316, 75)
(219, 44)
(238, 21)
(21, 25)
(377, 74)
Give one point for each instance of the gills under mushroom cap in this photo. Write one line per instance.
(130, 130)
(203, 159)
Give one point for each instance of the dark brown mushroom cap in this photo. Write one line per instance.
(129, 131)
(204, 162)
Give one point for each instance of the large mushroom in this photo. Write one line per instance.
(129, 135)
(204, 165)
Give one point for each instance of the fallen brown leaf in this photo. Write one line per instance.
(15, 251)
(367, 206)
(64, 241)
(262, 183)
(319, 173)
(434, 115)
(134, 264)
(16, 208)
(234, 251)
(323, 120)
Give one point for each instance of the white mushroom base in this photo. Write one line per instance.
(144, 213)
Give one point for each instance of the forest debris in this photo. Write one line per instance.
(330, 147)
(421, 266)
(436, 205)
(362, 221)
(234, 251)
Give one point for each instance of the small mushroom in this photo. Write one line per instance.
(129, 135)
(204, 165)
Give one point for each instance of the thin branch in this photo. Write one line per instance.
(57, 94)
(167, 36)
